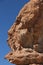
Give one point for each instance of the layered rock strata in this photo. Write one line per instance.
(25, 37)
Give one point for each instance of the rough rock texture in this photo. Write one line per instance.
(25, 37)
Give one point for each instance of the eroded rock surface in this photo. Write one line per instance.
(25, 37)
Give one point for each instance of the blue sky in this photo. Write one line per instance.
(8, 11)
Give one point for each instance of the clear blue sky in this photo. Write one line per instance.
(8, 11)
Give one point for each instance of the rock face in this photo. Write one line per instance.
(25, 36)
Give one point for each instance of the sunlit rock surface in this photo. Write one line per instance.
(25, 37)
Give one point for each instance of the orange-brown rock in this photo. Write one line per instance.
(25, 37)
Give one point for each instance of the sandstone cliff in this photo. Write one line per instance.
(25, 37)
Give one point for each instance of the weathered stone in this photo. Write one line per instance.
(25, 36)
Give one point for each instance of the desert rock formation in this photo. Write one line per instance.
(25, 37)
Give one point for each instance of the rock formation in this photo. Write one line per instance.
(25, 37)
